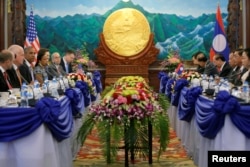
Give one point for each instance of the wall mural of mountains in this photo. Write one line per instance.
(185, 34)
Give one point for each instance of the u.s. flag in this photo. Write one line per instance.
(219, 44)
(31, 35)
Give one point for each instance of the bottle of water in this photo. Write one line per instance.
(61, 83)
(37, 91)
(53, 88)
(211, 82)
(224, 85)
(204, 82)
(24, 95)
(66, 82)
(45, 86)
(245, 91)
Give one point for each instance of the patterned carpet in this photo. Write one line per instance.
(90, 155)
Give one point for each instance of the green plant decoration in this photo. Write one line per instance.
(123, 116)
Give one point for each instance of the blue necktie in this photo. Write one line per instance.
(67, 67)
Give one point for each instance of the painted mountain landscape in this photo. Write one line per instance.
(186, 34)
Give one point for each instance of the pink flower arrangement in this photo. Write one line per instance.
(130, 98)
(171, 62)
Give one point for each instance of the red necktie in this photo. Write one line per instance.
(6, 80)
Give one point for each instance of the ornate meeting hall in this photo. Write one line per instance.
(124, 83)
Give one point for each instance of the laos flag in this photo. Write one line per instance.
(219, 43)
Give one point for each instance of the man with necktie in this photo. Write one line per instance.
(6, 61)
(223, 67)
(67, 60)
(26, 69)
(239, 69)
(14, 74)
(55, 69)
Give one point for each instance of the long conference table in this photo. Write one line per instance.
(206, 123)
(44, 135)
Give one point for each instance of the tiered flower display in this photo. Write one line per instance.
(129, 104)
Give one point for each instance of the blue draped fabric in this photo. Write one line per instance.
(16, 123)
(163, 81)
(186, 107)
(19, 122)
(76, 99)
(83, 86)
(49, 109)
(161, 74)
(169, 85)
(210, 115)
(57, 116)
(98, 82)
(180, 84)
(241, 119)
(93, 94)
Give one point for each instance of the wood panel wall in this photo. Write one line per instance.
(2, 11)
(247, 23)
(17, 24)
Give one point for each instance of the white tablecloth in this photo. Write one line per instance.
(228, 138)
(40, 149)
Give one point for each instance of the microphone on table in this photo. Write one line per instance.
(60, 90)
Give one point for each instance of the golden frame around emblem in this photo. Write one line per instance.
(126, 32)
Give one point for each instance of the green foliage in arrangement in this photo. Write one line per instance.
(123, 116)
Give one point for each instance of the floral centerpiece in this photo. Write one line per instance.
(190, 75)
(82, 60)
(171, 61)
(125, 110)
(73, 77)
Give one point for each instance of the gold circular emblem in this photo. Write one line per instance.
(126, 32)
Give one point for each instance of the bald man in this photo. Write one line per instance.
(14, 74)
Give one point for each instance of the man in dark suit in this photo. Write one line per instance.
(209, 67)
(55, 69)
(223, 67)
(6, 61)
(67, 60)
(26, 69)
(235, 79)
(14, 73)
